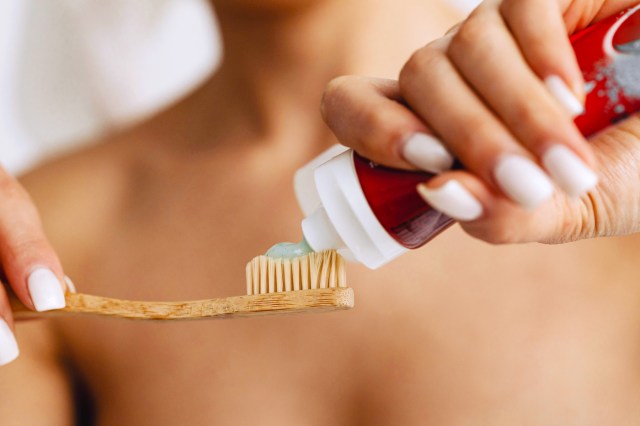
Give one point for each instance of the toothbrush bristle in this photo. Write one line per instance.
(325, 269)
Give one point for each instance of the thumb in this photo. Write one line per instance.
(615, 201)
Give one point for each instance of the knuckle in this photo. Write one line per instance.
(336, 92)
(409, 69)
(337, 86)
(419, 66)
(24, 249)
(469, 33)
(474, 34)
(578, 220)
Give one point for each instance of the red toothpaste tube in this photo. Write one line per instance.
(609, 56)
(373, 214)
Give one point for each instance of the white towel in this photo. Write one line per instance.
(72, 68)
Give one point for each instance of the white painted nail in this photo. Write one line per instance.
(523, 181)
(427, 153)
(70, 285)
(45, 289)
(452, 199)
(8, 346)
(569, 171)
(565, 97)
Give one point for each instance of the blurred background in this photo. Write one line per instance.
(59, 83)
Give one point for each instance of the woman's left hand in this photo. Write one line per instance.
(499, 92)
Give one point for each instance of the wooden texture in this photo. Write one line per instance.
(328, 299)
(311, 283)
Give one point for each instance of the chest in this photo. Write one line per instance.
(404, 349)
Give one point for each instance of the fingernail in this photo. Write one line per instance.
(70, 286)
(46, 292)
(565, 97)
(427, 153)
(8, 346)
(452, 199)
(569, 171)
(523, 181)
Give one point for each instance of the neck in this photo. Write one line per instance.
(277, 63)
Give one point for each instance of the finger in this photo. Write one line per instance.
(482, 212)
(577, 18)
(458, 194)
(539, 29)
(471, 131)
(522, 101)
(454, 29)
(8, 346)
(28, 261)
(367, 115)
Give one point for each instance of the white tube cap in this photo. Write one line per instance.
(320, 233)
(346, 222)
(304, 183)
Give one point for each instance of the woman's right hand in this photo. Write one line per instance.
(29, 266)
(497, 92)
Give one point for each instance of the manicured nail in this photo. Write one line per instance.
(523, 181)
(46, 292)
(569, 171)
(8, 345)
(70, 285)
(565, 97)
(452, 199)
(427, 153)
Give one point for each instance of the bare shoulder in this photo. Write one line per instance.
(79, 195)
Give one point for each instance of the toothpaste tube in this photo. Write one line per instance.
(373, 214)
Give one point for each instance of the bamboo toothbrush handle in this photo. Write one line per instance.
(237, 306)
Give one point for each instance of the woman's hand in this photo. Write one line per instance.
(499, 92)
(28, 264)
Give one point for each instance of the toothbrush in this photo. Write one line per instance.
(316, 282)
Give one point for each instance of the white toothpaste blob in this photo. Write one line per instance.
(289, 250)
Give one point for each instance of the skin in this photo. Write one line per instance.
(459, 332)
(445, 83)
(23, 245)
